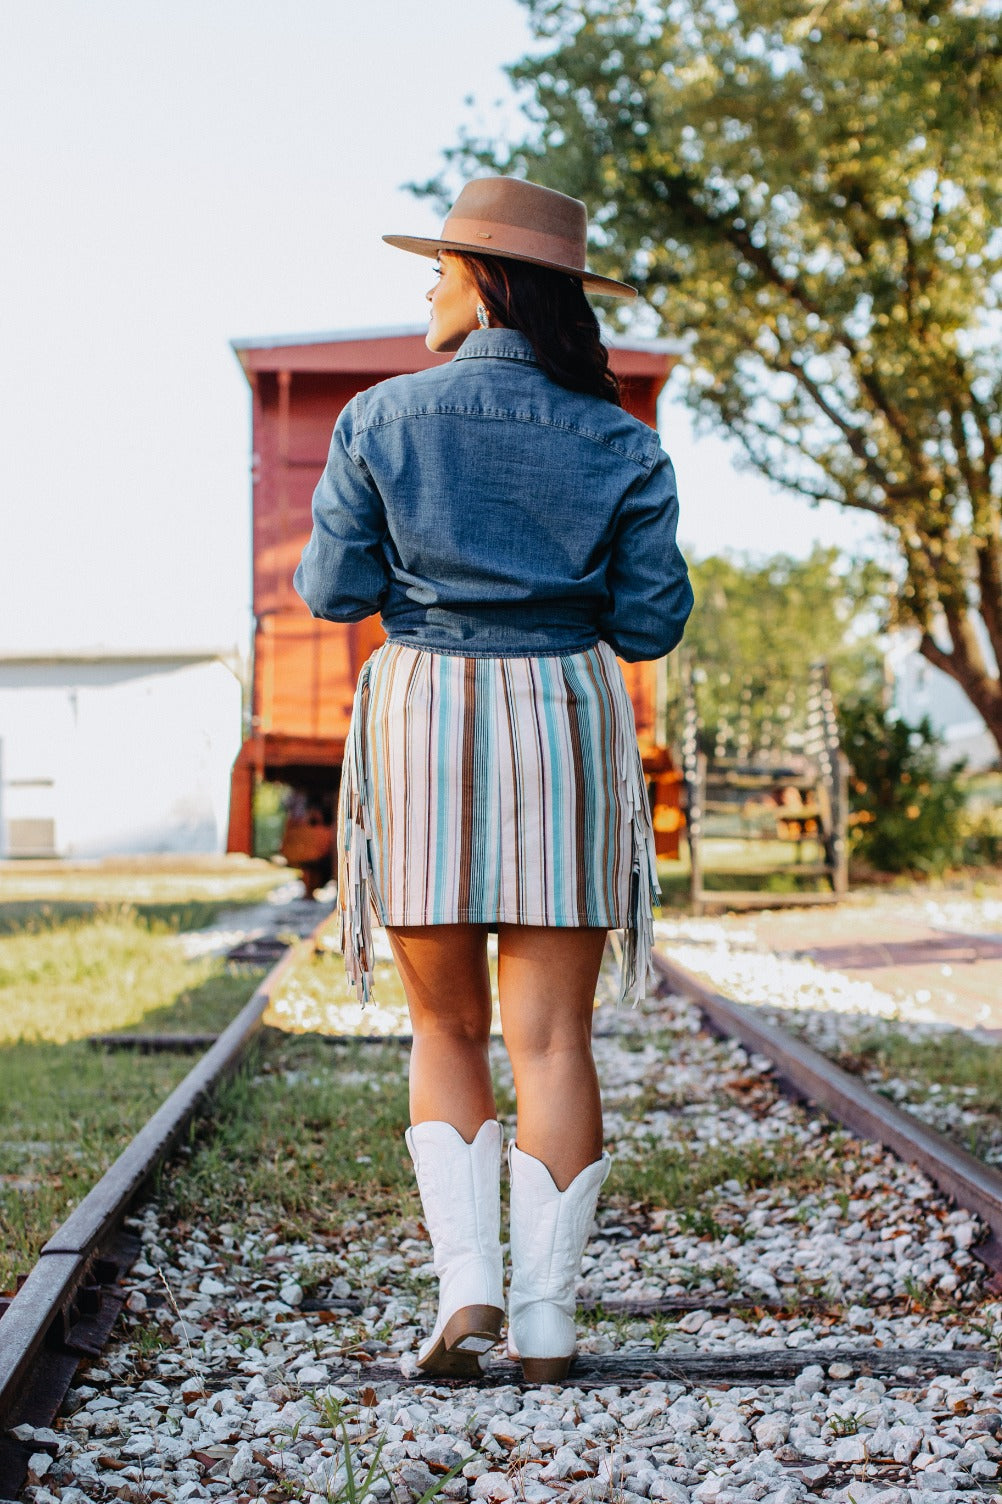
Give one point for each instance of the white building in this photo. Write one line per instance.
(106, 754)
(922, 690)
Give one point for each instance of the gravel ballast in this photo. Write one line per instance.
(227, 1382)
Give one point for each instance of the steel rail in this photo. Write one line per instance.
(37, 1318)
(808, 1074)
(38, 1315)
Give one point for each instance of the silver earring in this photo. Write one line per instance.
(483, 317)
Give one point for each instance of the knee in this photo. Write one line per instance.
(469, 1029)
(548, 1042)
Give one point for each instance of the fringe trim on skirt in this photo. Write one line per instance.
(494, 790)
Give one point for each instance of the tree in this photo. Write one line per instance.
(760, 624)
(811, 193)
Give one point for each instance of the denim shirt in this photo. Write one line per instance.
(484, 510)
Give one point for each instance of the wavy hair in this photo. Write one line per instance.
(551, 310)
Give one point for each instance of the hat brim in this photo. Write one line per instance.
(591, 281)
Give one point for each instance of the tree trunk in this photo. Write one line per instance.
(983, 691)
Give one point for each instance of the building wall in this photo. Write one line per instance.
(112, 757)
(923, 691)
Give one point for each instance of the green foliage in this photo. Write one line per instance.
(951, 1060)
(981, 823)
(62, 979)
(758, 627)
(311, 1134)
(982, 838)
(811, 196)
(905, 812)
(269, 817)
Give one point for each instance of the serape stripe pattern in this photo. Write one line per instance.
(494, 790)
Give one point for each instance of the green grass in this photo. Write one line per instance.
(313, 1133)
(681, 1179)
(300, 1134)
(949, 1059)
(68, 1108)
(68, 1111)
(62, 979)
(170, 881)
(20, 917)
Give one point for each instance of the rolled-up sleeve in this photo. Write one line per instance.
(647, 578)
(343, 574)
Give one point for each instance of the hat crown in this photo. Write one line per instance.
(505, 206)
(521, 221)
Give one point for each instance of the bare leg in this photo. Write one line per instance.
(546, 983)
(444, 971)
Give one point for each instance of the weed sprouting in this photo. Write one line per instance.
(919, 1293)
(195, 1365)
(660, 1330)
(147, 1341)
(351, 1480)
(843, 1425)
(702, 1223)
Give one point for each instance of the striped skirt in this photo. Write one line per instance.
(494, 791)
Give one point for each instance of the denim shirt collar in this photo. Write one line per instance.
(500, 344)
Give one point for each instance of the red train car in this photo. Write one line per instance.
(304, 671)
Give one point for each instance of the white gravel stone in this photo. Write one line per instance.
(848, 1449)
(672, 1493)
(772, 1431)
(493, 1486)
(251, 1383)
(38, 1465)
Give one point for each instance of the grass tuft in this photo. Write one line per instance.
(308, 1135)
(68, 1108)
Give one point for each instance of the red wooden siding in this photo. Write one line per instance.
(305, 670)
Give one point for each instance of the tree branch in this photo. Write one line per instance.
(739, 237)
(854, 436)
(836, 497)
(990, 596)
(984, 692)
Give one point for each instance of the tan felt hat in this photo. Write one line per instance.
(509, 217)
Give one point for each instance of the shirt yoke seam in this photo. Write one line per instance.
(645, 463)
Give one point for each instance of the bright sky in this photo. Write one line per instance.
(175, 176)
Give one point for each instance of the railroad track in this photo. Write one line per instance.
(810, 1075)
(66, 1308)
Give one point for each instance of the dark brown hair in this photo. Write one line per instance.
(551, 310)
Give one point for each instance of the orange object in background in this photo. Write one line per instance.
(304, 670)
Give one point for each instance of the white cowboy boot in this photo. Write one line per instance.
(460, 1192)
(549, 1230)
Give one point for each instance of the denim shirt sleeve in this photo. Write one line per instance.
(650, 594)
(343, 574)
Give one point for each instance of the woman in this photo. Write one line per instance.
(516, 530)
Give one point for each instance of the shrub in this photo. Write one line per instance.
(981, 833)
(905, 811)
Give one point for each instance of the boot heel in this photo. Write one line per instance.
(473, 1329)
(549, 1230)
(467, 1335)
(459, 1186)
(545, 1370)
